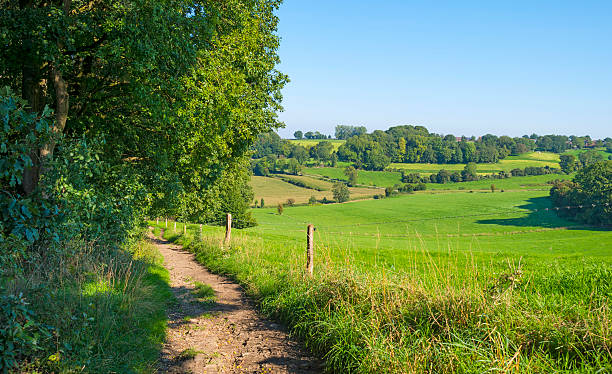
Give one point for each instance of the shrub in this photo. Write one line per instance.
(290, 202)
(279, 208)
(312, 200)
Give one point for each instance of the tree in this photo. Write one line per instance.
(469, 172)
(341, 192)
(589, 157)
(279, 209)
(185, 100)
(351, 174)
(401, 143)
(322, 151)
(261, 203)
(298, 134)
(589, 195)
(299, 153)
(345, 132)
(568, 163)
(312, 200)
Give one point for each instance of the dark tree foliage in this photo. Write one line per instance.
(589, 195)
(178, 88)
(415, 144)
(351, 174)
(568, 163)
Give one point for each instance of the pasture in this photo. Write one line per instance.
(308, 143)
(488, 226)
(539, 159)
(431, 282)
(274, 190)
(602, 151)
(365, 177)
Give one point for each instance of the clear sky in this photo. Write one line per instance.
(459, 67)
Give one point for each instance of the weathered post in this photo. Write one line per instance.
(228, 229)
(174, 226)
(310, 249)
(184, 228)
(157, 221)
(200, 230)
(166, 222)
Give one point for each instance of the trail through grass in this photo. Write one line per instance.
(453, 282)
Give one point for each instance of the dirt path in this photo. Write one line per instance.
(224, 335)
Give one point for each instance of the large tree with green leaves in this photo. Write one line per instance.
(177, 87)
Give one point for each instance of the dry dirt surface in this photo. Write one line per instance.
(225, 334)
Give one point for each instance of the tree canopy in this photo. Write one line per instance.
(174, 87)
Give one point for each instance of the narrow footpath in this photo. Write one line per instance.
(223, 335)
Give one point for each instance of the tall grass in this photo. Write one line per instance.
(441, 317)
(104, 307)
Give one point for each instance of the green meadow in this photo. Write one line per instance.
(540, 159)
(485, 225)
(453, 281)
(365, 177)
(308, 143)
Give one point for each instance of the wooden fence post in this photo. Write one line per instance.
(174, 226)
(184, 228)
(157, 223)
(310, 249)
(228, 229)
(166, 222)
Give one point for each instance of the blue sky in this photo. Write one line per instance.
(459, 67)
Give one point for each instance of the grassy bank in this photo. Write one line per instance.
(441, 311)
(91, 309)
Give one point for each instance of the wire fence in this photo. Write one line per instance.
(289, 227)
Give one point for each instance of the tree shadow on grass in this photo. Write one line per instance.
(540, 214)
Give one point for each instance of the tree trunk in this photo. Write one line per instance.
(32, 90)
(61, 112)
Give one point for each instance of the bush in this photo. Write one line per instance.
(290, 202)
(20, 334)
(312, 200)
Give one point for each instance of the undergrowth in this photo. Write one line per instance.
(546, 319)
(88, 308)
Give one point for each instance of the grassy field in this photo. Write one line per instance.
(365, 177)
(275, 191)
(601, 151)
(534, 182)
(308, 143)
(540, 159)
(452, 282)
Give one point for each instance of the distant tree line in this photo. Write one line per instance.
(310, 135)
(588, 195)
(469, 173)
(271, 154)
(415, 144)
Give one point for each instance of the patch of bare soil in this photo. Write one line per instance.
(223, 334)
